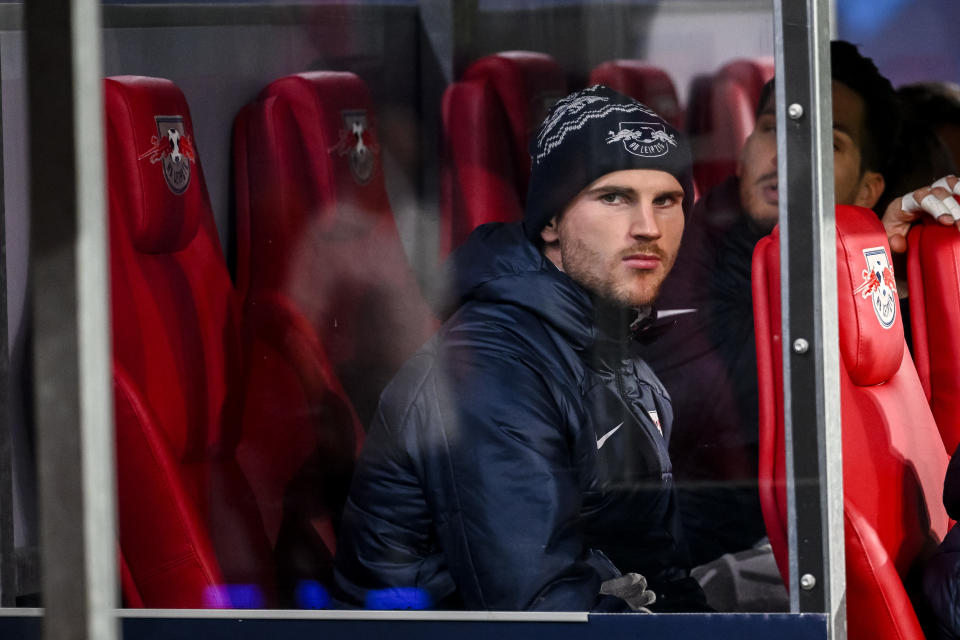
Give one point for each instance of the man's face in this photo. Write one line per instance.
(757, 168)
(619, 237)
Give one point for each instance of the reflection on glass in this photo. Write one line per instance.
(244, 396)
(325, 160)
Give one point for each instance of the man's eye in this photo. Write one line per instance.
(611, 198)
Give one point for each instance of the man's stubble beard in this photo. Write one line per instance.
(754, 205)
(577, 258)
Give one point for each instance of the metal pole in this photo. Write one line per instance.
(74, 407)
(809, 295)
(8, 558)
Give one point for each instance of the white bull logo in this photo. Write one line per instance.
(645, 139)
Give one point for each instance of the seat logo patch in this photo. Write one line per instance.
(643, 139)
(879, 285)
(173, 149)
(357, 143)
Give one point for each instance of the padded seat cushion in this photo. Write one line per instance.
(871, 330)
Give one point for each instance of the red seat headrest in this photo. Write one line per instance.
(871, 330)
(330, 129)
(527, 83)
(750, 74)
(649, 84)
(153, 163)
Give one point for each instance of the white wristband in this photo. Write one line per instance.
(953, 207)
(934, 206)
(909, 203)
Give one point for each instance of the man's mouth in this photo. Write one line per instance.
(771, 193)
(642, 261)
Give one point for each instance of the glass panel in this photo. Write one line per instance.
(523, 458)
(263, 303)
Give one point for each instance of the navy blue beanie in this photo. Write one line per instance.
(589, 134)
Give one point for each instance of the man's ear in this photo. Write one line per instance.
(549, 233)
(871, 188)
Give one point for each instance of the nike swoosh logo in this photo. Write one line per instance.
(667, 313)
(604, 437)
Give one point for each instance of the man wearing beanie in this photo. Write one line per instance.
(519, 460)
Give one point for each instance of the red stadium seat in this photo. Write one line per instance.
(720, 116)
(488, 118)
(933, 273)
(332, 309)
(322, 233)
(190, 535)
(648, 84)
(893, 459)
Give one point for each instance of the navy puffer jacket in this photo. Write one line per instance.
(520, 458)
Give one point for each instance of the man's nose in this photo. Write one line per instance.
(644, 222)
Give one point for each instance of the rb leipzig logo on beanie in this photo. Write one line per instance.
(644, 139)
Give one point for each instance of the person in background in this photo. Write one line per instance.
(936, 105)
(920, 158)
(707, 361)
(520, 460)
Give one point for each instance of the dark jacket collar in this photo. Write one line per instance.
(498, 264)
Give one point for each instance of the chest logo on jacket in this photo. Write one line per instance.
(656, 420)
(879, 285)
(644, 139)
(173, 149)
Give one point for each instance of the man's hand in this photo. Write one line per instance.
(937, 200)
(631, 587)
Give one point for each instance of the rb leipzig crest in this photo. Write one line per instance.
(656, 420)
(356, 141)
(173, 149)
(879, 285)
(644, 139)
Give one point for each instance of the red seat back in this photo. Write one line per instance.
(332, 309)
(893, 459)
(721, 115)
(176, 353)
(649, 84)
(933, 272)
(322, 231)
(488, 118)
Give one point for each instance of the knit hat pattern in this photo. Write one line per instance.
(591, 133)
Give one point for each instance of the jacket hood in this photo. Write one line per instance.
(499, 264)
